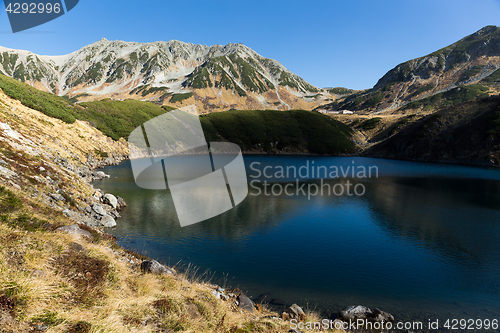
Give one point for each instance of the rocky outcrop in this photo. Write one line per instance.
(353, 313)
(154, 267)
(294, 312)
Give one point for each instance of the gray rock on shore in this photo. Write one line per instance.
(154, 267)
(108, 221)
(296, 312)
(99, 209)
(111, 200)
(362, 312)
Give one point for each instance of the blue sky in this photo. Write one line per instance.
(328, 43)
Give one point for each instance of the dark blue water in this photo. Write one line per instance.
(423, 241)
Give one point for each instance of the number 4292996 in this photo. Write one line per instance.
(33, 8)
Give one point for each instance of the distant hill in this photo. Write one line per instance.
(216, 78)
(465, 133)
(474, 59)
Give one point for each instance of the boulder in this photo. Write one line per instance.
(362, 312)
(78, 248)
(296, 312)
(57, 197)
(111, 200)
(99, 209)
(108, 221)
(153, 266)
(101, 175)
(121, 203)
(245, 303)
(74, 229)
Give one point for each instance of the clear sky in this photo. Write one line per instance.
(328, 43)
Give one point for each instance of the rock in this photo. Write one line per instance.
(245, 303)
(74, 229)
(108, 222)
(192, 311)
(98, 194)
(98, 209)
(114, 214)
(78, 248)
(42, 169)
(66, 212)
(101, 175)
(111, 200)
(7, 173)
(153, 266)
(216, 294)
(296, 312)
(362, 312)
(57, 197)
(121, 203)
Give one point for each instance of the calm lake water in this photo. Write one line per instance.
(423, 242)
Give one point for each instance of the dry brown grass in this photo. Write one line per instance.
(73, 284)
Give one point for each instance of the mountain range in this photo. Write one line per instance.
(233, 76)
(216, 78)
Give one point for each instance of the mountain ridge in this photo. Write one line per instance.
(221, 77)
(472, 59)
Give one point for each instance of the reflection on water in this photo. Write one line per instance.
(423, 240)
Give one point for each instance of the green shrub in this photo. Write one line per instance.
(180, 97)
(8, 201)
(49, 104)
(370, 123)
(117, 119)
(269, 130)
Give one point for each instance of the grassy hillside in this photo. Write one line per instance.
(55, 282)
(49, 104)
(467, 133)
(450, 97)
(279, 131)
(117, 119)
(266, 131)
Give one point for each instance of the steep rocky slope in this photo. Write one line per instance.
(474, 59)
(466, 133)
(216, 78)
